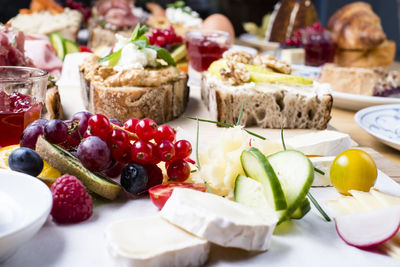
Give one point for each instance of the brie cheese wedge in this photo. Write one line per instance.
(154, 242)
(322, 143)
(219, 220)
(324, 164)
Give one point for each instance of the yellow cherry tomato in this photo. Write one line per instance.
(353, 169)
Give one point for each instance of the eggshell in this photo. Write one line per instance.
(219, 22)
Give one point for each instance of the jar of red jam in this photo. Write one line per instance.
(206, 46)
(22, 94)
(319, 47)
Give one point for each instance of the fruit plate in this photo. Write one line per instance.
(357, 102)
(382, 122)
(310, 241)
(25, 205)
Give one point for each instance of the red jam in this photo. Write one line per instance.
(319, 48)
(203, 51)
(16, 112)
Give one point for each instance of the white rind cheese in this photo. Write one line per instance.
(154, 242)
(322, 143)
(219, 220)
(324, 164)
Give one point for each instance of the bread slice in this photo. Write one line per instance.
(160, 103)
(349, 80)
(362, 81)
(267, 105)
(52, 108)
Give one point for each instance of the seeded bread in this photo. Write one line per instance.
(160, 103)
(269, 108)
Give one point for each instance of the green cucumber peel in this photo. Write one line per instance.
(289, 178)
(257, 167)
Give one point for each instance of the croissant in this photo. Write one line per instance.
(356, 26)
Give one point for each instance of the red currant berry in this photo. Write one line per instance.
(164, 132)
(183, 149)
(165, 150)
(146, 129)
(118, 142)
(178, 170)
(100, 126)
(161, 41)
(142, 152)
(130, 124)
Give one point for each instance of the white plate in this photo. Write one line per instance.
(382, 122)
(310, 242)
(357, 102)
(253, 40)
(25, 205)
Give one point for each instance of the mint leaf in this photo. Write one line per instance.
(141, 43)
(138, 32)
(163, 54)
(113, 58)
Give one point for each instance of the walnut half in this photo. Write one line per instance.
(235, 74)
(271, 62)
(238, 56)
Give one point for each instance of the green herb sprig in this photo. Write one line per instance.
(139, 39)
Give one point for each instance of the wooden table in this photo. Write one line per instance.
(387, 158)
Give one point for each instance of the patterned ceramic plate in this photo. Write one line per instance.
(383, 122)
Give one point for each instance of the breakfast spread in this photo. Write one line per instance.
(146, 193)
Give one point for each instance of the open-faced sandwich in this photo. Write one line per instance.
(177, 15)
(46, 17)
(135, 80)
(272, 96)
(111, 17)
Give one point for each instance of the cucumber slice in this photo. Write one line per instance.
(179, 53)
(250, 193)
(302, 210)
(296, 174)
(71, 47)
(257, 167)
(57, 41)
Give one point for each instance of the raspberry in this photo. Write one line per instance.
(71, 202)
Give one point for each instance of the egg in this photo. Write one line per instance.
(219, 22)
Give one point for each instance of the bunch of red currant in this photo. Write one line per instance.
(165, 38)
(106, 145)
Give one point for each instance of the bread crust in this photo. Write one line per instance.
(267, 109)
(160, 103)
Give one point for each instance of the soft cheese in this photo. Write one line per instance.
(323, 164)
(219, 220)
(322, 143)
(154, 242)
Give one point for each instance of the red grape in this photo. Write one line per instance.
(55, 131)
(94, 154)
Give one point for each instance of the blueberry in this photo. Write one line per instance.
(25, 160)
(134, 178)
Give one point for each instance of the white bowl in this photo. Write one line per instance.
(25, 203)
